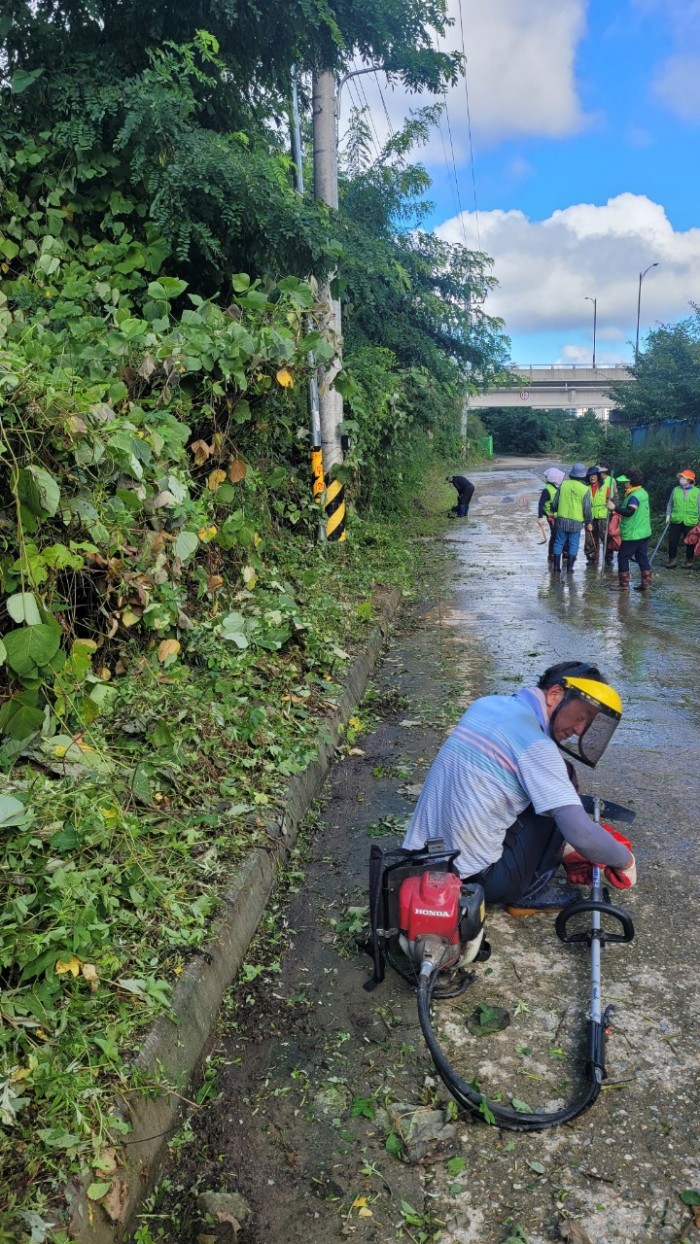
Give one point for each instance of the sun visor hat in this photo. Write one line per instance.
(605, 708)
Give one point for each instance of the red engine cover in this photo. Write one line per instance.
(429, 904)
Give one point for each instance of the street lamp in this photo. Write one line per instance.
(639, 307)
(595, 309)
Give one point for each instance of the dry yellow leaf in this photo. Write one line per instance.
(365, 1212)
(360, 1202)
(19, 1073)
(200, 452)
(216, 479)
(89, 971)
(250, 577)
(206, 534)
(285, 378)
(168, 648)
(215, 582)
(236, 470)
(71, 965)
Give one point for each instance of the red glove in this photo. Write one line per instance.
(579, 870)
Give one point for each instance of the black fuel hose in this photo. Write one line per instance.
(470, 1099)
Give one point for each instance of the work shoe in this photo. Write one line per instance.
(687, 565)
(671, 565)
(553, 898)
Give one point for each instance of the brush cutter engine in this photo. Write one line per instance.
(440, 919)
(423, 913)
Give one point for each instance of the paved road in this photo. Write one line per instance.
(316, 1076)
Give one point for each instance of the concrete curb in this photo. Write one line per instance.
(173, 1047)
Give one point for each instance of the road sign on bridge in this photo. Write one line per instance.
(555, 386)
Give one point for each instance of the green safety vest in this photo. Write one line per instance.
(639, 525)
(685, 505)
(552, 490)
(571, 494)
(599, 499)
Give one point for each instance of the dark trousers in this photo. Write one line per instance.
(675, 532)
(532, 845)
(463, 500)
(634, 550)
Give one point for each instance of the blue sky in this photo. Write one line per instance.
(586, 127)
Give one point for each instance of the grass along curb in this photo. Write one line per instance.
(174, 1045)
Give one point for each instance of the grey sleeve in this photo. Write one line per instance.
(587, 511)
(590, 839)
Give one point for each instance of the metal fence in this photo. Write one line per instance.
(672, 431)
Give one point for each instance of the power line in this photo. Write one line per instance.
(454, 162)
(469, 127)
(386, 110)
(380, 145)
(353, 91)
(454, 169)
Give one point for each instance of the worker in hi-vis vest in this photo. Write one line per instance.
(682, 514)
(635, 529)
(572, 507)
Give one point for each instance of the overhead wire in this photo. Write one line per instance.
(363, 95)
(386, 110)
(454, 162)
(469, 127)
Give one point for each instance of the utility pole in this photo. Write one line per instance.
(325, 131)
(317, 481)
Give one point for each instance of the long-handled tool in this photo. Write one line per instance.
(607, 519)
(428, 923)
(658, 542)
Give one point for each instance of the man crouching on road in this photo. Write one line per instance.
(500, 792)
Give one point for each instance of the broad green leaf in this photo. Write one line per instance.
(31, 647)
(22, 607)
(10, 809)
(186, 544)
(240, 282)
(521, 1106)
(39, 491)
(97, 1190)
(3, 653)
(690, 1197)
(23, 78)
(19, 720)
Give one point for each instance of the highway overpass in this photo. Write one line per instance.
(555, 386)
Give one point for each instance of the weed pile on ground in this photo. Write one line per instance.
(117, 841)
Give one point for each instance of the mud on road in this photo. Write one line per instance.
(329, 1119)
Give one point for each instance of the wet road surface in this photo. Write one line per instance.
(317, 1078)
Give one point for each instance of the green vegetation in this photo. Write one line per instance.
(556, 432)
(172, 636)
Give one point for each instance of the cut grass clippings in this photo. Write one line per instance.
(116, 844)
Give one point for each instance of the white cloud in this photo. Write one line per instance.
(675, 82)
(546, 269)
(677, 85)
(521, 76)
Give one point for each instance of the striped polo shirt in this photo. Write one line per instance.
(498, 759)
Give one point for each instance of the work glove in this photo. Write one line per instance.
(579, 870)
(610, 504)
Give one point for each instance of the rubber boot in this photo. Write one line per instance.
(556, 564)
(623, 582)
(572, 563)
(645, 583)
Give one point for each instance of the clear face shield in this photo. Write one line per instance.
(582, 727)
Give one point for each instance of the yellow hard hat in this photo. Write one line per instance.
(601, 694)
(589, 745)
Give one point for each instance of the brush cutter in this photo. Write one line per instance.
(429, 926)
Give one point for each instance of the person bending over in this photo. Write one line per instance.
(465, 492)
(501, 794)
